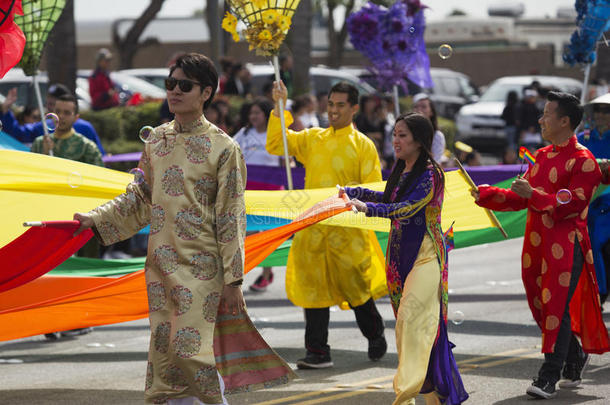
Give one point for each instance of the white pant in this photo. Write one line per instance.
(196, 401)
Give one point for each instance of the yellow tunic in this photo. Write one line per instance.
(192, 195)
(328, 265)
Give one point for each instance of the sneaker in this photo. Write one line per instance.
(377, 348)
(572, 373)
(315, 361)
(541, 389)
(260, 285)
(76, 332)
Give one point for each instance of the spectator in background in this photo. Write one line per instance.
(322, 109)
(218, 114)
(26, 133)
(226, 63)
(101, 88)
(29, 115)
(529, 129)
(510, 116)
(473, 159)
(304, 112)
(423, 105)
(238, 83)
(368, 120)
(252, 140)
(66, 142)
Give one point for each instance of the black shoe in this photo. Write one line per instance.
(314, 361)
(377, 348)
(542, 389)
(52, 336)
(572, 373)
(76, 332)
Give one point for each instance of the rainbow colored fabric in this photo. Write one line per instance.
(36, 187)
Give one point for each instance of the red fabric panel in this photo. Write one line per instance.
(38, 251)
(12, 42)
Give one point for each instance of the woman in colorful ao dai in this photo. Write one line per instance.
(416, 265)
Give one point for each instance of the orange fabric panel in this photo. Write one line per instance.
(52, 303)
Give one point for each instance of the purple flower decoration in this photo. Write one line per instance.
(393, 40)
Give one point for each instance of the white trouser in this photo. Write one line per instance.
(196, 401)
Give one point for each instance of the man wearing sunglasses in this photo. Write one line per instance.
(193, 198)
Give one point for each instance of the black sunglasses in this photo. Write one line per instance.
(184, 84)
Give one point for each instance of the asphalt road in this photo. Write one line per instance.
(498, 349)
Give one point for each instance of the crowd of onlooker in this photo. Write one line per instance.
(375, 117)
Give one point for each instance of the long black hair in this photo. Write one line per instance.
(423, 133)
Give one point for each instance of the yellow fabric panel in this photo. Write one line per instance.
(459, 206)
(36, 187)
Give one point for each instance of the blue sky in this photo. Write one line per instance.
(112, 9)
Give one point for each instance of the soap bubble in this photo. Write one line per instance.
(412, 30)
(445, 51)
(145, 133)
(457, 318)
(138, 175)
(564, 196)
(75, 180)
(52, 121)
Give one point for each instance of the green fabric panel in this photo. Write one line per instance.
(87, 267)
(279, 257)
(513, 223)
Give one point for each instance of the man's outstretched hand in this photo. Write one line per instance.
(85, 222)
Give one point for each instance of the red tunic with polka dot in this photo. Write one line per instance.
(551, 230)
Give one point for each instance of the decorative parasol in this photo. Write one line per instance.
(39, 17)
(12, 39)
(266, 24)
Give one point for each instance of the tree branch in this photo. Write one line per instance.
(138, 27)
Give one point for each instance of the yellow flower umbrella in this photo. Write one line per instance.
(267, 23)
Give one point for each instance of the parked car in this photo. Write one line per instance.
(26, 95)
(480, 125)
(128, 85)
(321, 79)
(450, 92)
(154, 76)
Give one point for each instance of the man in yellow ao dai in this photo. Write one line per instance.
(330, 265)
